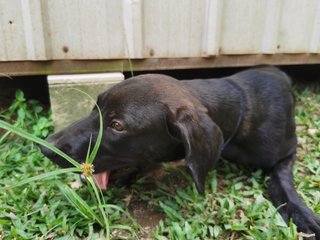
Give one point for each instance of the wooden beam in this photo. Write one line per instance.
(21, 68)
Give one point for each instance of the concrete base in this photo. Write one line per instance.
(68, 104)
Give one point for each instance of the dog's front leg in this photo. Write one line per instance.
(282, 191)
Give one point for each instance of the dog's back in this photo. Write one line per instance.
(261, 100)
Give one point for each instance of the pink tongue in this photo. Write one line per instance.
(102, 179)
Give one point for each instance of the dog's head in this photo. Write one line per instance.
(146, 119)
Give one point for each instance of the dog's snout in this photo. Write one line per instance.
(46, 151)
(58, 142)
(52, 155)
(53, 141)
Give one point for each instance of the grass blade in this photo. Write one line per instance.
(4, 136)
(126, 228)
(100, 205)
(43, 176)
(89, 159)
(123, 212)
(89, 147)
(79, 203)
(99, 138)
(35, 139)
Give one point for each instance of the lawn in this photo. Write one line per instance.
(234, 206)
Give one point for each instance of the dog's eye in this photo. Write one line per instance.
(117, 126)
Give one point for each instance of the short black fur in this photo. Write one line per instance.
(164, 119)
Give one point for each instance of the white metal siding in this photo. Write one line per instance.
(296, 28)
(121, 29)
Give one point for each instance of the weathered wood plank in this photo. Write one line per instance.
(88, 66)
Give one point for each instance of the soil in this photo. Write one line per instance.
(146, 214)
(147, 217)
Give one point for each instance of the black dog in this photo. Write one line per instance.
(247, 118)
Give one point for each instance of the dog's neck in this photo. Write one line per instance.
(240, 118)
(225, 103)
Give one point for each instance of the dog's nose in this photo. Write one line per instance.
(46, 151)
(54, 157)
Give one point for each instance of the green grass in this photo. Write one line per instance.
(95, 213)
(234, 206)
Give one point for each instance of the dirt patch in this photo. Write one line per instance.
(146, 216)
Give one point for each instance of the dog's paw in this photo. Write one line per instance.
(308, 224)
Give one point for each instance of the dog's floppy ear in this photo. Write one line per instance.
(201, 138)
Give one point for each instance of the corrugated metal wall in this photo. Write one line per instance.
(121, 29)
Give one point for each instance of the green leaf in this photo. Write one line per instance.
(43, 176)
(35, 139)
(21, 113)
(171, 213)
(101, 202)
(238, 228)
(188, 230)
(108, 206)
(214, 182)
(20, 96)
(216, 230)
(161, 238)
(79, 203)
(178, 232)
